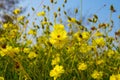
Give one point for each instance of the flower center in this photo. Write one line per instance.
(58, 36)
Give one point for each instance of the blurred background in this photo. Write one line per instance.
(87, 8)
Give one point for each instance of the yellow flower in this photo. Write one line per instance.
(26, 50)
(84, 48)
(13, 33)
(20, 18)
(55, 61)
(10, 25)
(1, 78)
(41, 13)
(28, 42)
(16, 11)
(115, 77)
(82, 66)
(78, 36)
(97, 75)
(6, 51)
(44, 22)
(93, 48)
(72, 20)
(16, 50)
(58, 36)
(2, 39)
(58, 27)
(56, 72)
(5, 25)
(85, 35)
(99, 41)
(32, 55)
(110, 53)
(100, 62)
(3, 52)
(9, 50)
(70, 49)
(98, 33)
(118, 76)
(32, 32)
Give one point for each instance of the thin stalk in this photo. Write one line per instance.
(81, 10)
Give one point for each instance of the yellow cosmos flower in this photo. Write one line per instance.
(2, 39)
(41, 13)
(16, 50)
(1, 78)
(98, 33)
(26, 50)
(32, 32)
(3, 52)
(16, 11)
(85, 35)
(99, 41)
(97, 75)
(5, 25)
(82, 66)
(73, 20)
(57, 71)
(115, 77)
(100, 62)
(44, 22)
(58, 27)
(10, 25)
(29, 42)
(32, 55)
(13, 33)
(6, 51)
(9, 50)
(58, 36)
(78, 36)
(20, 18)
(55, 61)
(110, 53)
(84, 48)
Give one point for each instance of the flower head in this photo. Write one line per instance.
(32, 55)
(26, 50)
(98, 33)
(85, 35)
(73, 20)
(1, 78)
(21, 18)
(16, 11)
(99, 41)
(110, 53)
(115, 77)
(97, 75)
(82, 66)
(56, 72)
(32, 32)
(78, 36)
(58, 36)
(99, 61)
(55, 61)
(41, 13)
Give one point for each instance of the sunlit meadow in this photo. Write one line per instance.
(59, 47)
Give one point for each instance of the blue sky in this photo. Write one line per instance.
(89, 7)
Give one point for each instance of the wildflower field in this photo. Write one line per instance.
(65, 50)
